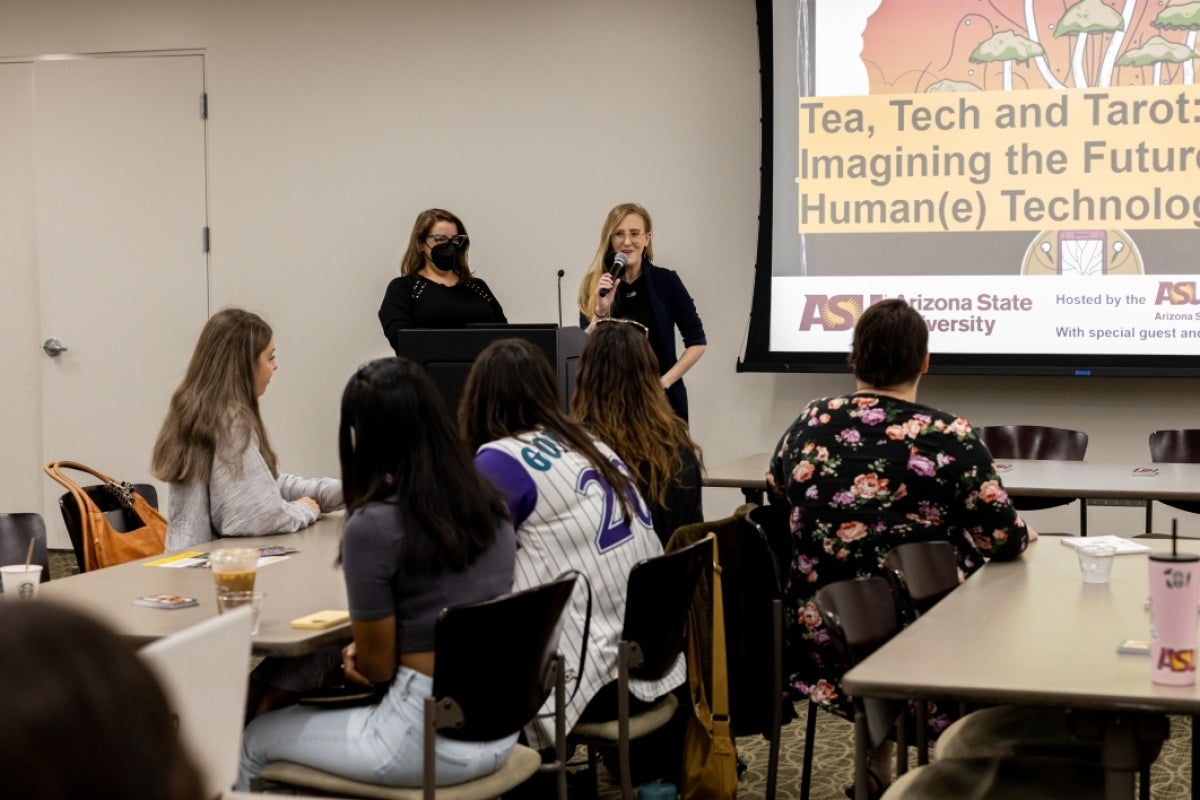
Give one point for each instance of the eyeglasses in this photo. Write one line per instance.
(620, 321)
(438, 239)
(634, 236)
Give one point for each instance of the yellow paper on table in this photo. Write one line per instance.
(170, 560)
(321, 619)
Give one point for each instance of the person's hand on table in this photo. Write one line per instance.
(308, 501)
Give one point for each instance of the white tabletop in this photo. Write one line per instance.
(1030, 632)
(1029, 478)
(300, 584)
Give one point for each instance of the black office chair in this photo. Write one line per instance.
(753, 581)
(861, 615)
(1039, 443)
(108, 503)
(656, 609)
(921, 574)
(495, 663)
(1176, 446)
(16, 531)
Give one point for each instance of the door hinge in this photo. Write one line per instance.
(204, 105)
(207, 240)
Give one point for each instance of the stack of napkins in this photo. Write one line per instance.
(1122, 546)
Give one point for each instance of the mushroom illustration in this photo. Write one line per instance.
(948, 85)
(1156, 51)
(1084, 17)
(1184, 17)
(1006, 47)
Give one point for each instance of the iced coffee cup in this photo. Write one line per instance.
(1174, 590)
(233, 570)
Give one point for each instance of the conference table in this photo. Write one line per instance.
(1101, 479)
(1030, 632)
(299, 584)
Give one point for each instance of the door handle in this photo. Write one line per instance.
(54, 347)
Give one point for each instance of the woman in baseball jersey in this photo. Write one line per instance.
(574, 506)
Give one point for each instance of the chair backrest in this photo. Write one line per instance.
(656, 606)
(1034, 442)
(754, 571)
(861, 616)
(494, 660)
(921, 574)
(15, 532)
(106, 501)
(771, 524)
(1178, 445)
(204, 672)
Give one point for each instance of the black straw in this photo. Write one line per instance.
(1174, 537)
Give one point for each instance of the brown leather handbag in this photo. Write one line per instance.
(133, 529)
(709, 753)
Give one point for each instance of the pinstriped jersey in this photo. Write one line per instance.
(568, 517)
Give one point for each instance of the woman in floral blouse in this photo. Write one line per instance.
(872, 470)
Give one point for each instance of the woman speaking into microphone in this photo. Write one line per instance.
(436, 288)
(623, 283)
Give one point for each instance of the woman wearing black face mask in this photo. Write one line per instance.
(436, 288)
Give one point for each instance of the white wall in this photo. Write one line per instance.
(332, 124)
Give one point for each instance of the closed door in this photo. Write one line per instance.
(120, 208)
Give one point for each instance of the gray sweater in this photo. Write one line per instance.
(242, 498)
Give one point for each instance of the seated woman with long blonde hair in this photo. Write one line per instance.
(619, 398)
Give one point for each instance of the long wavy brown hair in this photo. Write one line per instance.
(619, 397)
(512, 390)
(587, 288)
(414, 257)
(215, 400)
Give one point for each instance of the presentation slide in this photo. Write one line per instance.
(1025, 173)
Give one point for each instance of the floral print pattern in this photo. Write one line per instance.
(864, 473)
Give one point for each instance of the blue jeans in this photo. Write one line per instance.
(376, 744)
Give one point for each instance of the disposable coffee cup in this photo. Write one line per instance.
(1174, 593)
(1095, 562)
(233, 571)
(21, 582)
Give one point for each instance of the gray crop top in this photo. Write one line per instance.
(377, 587)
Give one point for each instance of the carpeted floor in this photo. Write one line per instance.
(833, 761)
(833, 756)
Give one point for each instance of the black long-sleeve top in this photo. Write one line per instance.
(412, 301)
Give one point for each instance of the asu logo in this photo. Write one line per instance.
(1177, 660)
(836, 313)
(1177, 294)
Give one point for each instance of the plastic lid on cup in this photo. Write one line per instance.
(1175, 557)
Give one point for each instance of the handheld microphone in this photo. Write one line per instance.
(616, 270)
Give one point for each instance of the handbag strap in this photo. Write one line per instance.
(83, 502)
(720, 677)
(54, 470)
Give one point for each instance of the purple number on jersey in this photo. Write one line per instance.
(613, 530)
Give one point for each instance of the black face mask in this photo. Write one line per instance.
(444, 256)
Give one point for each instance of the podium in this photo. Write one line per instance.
(448, 353)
